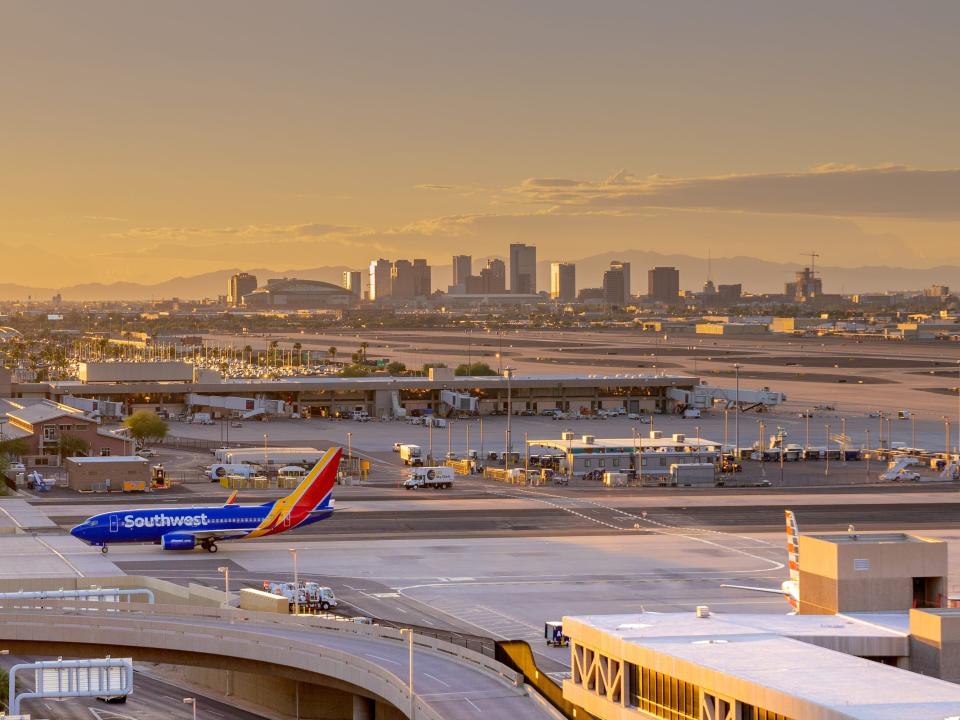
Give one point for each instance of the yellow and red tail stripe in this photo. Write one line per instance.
(314, 490)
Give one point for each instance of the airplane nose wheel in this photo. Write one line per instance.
(104, 549)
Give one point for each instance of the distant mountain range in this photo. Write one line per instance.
(758, 276)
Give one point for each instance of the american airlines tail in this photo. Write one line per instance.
(313, 495)
(790, 589)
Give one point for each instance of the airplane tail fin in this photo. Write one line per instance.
(315, 491)
(793, 545)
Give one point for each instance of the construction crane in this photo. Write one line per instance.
(813, 255)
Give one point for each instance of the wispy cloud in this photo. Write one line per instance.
(834, 190)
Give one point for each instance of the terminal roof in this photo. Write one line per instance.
(788, 654)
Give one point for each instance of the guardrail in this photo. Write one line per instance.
(130, 617)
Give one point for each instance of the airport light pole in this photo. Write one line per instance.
(697, 428)
(806, 433)
(946, 435)
(913, 429)
(780, 434)
(430, 440)
(349, 445)
(481, 440)
(726, 413)
(226, 584)
(762, 449)
(266, 455)
(869, 452)
(827, 468)
(193, 702)
(508, 374)
(296, 582)
(736, 413)
(409, 633)
(843, 439)
(449, 438)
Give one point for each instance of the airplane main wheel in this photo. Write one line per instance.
(104, 549)
(211, 548)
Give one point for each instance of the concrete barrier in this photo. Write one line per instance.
(260, 601)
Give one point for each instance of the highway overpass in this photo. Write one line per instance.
(351, 671)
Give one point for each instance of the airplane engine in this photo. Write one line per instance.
(178, 541)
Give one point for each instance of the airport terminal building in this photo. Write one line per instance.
(176, 388)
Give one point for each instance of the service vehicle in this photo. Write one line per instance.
(411, 454)
(553, 632)
(360, 416)
(439, 478)
(308, 595)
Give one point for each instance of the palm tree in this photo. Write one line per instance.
(332, 352)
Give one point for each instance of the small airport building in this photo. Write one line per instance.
(873, 640)
(652, 456)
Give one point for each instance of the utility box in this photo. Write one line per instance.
(871, 572)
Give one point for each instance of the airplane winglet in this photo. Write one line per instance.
(232, 500)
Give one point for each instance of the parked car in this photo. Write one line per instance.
(146, 453)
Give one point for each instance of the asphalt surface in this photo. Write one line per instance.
(152, 699)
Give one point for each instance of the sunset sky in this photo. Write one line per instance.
(140, 141)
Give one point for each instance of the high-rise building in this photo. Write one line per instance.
(806, 286)
(616, 283)
(563, 281)
(352, 282)
(493, 278)
(523, 268)
(729, 294)
(462, 269)
(379, 279)
(422, 278)
(663, 285)
(613, 282)
(402, 283)
(238, 286)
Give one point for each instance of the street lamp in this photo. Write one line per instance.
(781, 433)
(226, 584)
(350, 452)
(296, 582)
(843, 439)
(193, 702)
(409, 633)
(736, 413)
(508, 374)
(827, 469)
(266, 456)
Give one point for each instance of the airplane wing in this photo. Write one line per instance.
(231, 534)
(772, 591)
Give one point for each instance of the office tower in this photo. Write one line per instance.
(523, 268)
(238, 286)
(462, 269)
(563, 281)
(493, 278)
(379, 279)
(352, 282)
(624, 268)
(422, 280)
(729, 294)
(613, 287)
(663, 285)
(402, 280)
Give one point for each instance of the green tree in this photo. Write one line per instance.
(13, 447)
(71, 446)
(396, 368)
(477, 368)
(145, 425)
(354, 371)
(332, 352)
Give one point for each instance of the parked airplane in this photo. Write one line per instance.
(790, 589)
(184, 528)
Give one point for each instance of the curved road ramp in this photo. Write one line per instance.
(369, 662)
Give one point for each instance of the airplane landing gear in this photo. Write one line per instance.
(104, 549)
(209, 545)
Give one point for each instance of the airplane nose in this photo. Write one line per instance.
(77, 532)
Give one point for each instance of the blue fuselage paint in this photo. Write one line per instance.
(142, 526)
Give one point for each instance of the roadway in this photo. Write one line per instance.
(152, 699)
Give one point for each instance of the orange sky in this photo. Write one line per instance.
(145, 141)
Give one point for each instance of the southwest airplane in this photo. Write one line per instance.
(184, 528)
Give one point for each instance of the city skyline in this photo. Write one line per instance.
(330, 134)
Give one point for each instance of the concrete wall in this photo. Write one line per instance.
(935, 643)
(166, 593)
(872, 573)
